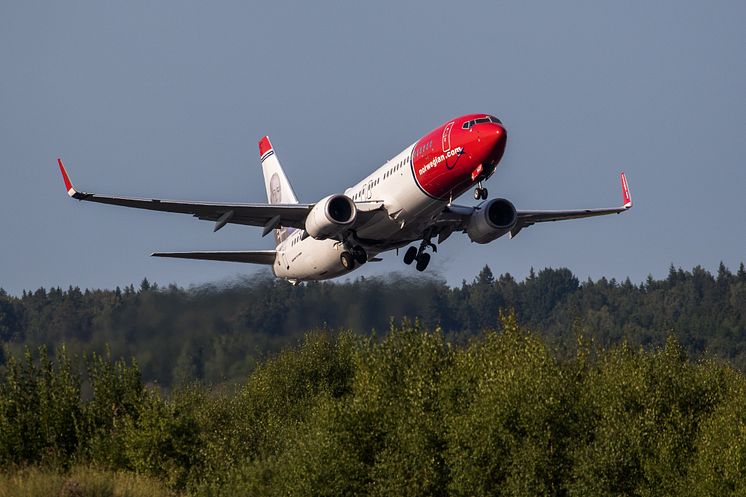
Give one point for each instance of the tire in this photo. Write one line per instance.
(422, 261)
(484, 194)
(410, 255)
(360, 255)
(477, 194)
(348, 261)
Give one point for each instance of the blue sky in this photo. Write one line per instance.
(169, 99)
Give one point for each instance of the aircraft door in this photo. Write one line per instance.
(369, 193)
(446, 140)
(284, 259)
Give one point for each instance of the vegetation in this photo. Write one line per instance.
(623, 389)
(80, 482)
(220, 333)
(405, 414)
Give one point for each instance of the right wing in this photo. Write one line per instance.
(268, 215)
(250, 256)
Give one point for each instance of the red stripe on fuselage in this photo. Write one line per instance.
(443, 160)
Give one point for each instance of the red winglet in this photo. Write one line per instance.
(264, 146)
(66, 178)
(626, 197)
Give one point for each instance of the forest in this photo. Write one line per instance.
(219, 333)
(405, 414)
(382, 386)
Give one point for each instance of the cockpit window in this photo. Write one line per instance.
(486, 119)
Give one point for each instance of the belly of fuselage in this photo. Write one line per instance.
(310, 259)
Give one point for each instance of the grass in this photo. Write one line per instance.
(79, 482)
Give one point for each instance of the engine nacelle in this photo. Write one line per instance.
(491, 220)
(330, 216)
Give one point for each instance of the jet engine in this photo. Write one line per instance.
(491, 220)
(330, 216)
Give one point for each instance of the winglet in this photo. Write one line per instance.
(70, 190)
(626, 197)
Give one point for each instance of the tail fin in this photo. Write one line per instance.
(279, 190)
(278, 187)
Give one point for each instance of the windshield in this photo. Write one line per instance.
(486, 119)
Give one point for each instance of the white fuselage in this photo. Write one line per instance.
(406, 212)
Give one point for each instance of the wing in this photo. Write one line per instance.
(248, 256)
(268, 215)
(456, 217)
(527, 218)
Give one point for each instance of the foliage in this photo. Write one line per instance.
(81, 481)
(220, 333)
(409, 413)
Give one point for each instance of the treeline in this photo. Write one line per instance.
(408, 414)
(219, 332)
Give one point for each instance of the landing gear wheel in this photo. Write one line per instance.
(348, 261)
(480, 192)
(422, 261)
(410, 255)
(360, 255)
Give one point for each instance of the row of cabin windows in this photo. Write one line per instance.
(421, 150)
(295, 239)
(362, 190)
(359, 194)
(395, 168)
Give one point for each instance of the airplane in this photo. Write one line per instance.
(408, 199)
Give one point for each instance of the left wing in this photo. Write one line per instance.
(268, 215)
(527, 218)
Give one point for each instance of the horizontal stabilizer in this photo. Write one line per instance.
(247, 256)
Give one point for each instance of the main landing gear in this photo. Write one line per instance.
(412, 254)
(479, 192)
(423, 258)
(358, 255)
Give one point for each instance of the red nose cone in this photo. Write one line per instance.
(500, 137)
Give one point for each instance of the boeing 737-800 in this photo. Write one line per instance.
(408, 199)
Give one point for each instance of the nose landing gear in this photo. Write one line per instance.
(479, 192)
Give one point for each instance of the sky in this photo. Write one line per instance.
(168, 100)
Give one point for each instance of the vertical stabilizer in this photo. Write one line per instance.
(279, 190)
(278, 187)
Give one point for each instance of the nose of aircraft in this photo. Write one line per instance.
(499, 137)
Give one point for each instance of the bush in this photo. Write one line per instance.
(407, 414)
